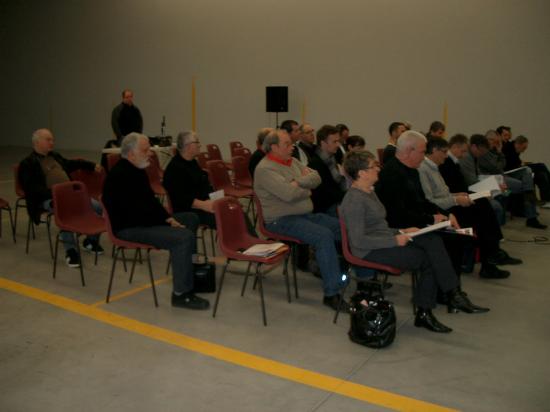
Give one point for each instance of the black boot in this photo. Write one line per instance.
(426, 319)
(490, 271)
(458, 301)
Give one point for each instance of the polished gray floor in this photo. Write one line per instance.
(52, 359)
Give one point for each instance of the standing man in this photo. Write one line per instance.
(137, 216)
(126, 117)
(44, 168)
(283, 186)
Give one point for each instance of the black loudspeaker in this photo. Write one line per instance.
(276, 99)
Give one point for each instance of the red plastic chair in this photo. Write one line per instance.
(4, 205)
(92, 179)
(216, 154)
(203, 158)
(244, 152)
(112, 160)
(45, 217)
(73, 212)
(234, 145)
(233, 238)
(219, 178)
(120, 245)
(355, 261)
(241, 174)
(290, 241)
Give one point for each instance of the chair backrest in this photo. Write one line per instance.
(234, 145)
(230, 225)
(345, 241)
(380, 152)
(71, 200)
(18, 188)
(154, 171)
(241, 174)
(260, 225)
(244, 152)
(219, 178)
(112, 160)
(92, 179)
(203, 158)
(214, 151)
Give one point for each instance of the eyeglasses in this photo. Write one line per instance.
(374, 165)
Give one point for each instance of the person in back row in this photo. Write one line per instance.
(136, 215)
(42, 169)
(372, 239)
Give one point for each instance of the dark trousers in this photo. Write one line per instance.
(542, 180)
(481, 217)
(181, 242)
(426, 254)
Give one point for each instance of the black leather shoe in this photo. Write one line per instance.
(458, 301)
(426, 319)
(534, 222)
(503, 258)
(190, 301)
(333, 302)
(490, 271)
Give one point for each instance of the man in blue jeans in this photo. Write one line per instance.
(283, 186)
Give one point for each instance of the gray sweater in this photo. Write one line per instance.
(434, 185)
(365, 218)
(278, 197)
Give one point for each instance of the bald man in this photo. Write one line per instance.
(44, 168)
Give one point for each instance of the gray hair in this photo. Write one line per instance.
(354, 162)
(262, 133)
(184, 138)
(270, 139)
(130, 142)
(409, 140)
(37, 135)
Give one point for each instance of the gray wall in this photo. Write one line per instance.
(361, 62)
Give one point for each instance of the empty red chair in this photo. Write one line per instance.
(203, 158)
(233, 239)
(216, 154)
(219, 178)
(121, 245)
(73, 212)
(244, 152)
(234, 145)
(241, 174)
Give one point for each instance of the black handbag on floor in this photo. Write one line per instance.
(204, 277)
(373, 320)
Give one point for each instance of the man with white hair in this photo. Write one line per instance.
(44, 168)
(137, 216)
(400, 190)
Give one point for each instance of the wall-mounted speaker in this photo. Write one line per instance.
(276, 99)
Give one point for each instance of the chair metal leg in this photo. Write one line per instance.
(124, 260)
(77, 242)
(112, 274)
(246, 279)
(212, 242)
(152, 278)
(287, 283)
(55, 255)
(341, 299)
(48, 223)
(222, 277)
(293, 253)
(12, 226)
(133, 266)
(28, 235)
(260, 284)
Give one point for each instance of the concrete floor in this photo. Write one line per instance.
(56, 359)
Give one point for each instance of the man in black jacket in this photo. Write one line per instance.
(38, 172)
(136, 215)
(327, 196)
(126, 117)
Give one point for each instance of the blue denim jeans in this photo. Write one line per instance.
(68, 237)
(322, 232)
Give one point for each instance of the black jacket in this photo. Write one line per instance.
(33, 180)
(329, 192)
(453, 176)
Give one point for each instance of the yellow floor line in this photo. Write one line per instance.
(246, 360)
(132, 291)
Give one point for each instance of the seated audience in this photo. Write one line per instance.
(437, 129)
(327, 196)
(283, 186)
(512, 150)
(305, 147)
(137, 216)
(258, 153)
(520, 182)
(395, 129)
(478, 214)
(343, 133)
(372, 239)
(355, 143)
(186, 183)
(44, 168)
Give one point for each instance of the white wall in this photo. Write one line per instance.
(361, 62)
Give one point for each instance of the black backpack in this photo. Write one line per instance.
(373, 320)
